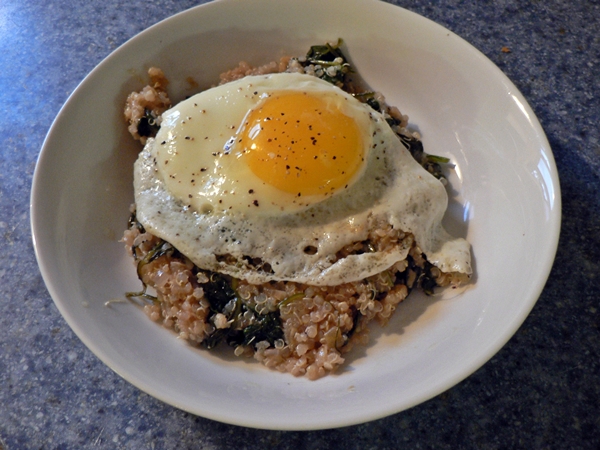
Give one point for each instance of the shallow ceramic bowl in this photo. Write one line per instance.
(504, 198)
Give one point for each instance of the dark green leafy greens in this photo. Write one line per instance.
(415, 276)
(223, 299)
(264, 327)
(328, 62)
(431, 163)
(148, 125)
(219, 293)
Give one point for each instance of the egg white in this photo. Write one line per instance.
(391, 188)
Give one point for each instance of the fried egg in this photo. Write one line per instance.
(269, 177)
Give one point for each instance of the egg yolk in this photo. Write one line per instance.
(302, 144)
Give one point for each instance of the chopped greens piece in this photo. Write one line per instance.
(290, 299)
(431, 163)
(263, 327)
(328, 63)
(142, 294)
(438, 159)
(219, 293)
(415, 276)
(148, 125)
(266, 327)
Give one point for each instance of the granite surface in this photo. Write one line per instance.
(542, 390)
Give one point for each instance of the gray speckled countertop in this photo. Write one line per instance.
(542, 390)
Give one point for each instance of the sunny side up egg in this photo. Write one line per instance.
(269, 177)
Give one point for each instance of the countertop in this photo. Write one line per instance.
(542, 390)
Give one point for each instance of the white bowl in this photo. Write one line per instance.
(505, 200)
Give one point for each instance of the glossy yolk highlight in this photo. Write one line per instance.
(302, 144)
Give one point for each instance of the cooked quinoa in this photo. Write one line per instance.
(288, 326)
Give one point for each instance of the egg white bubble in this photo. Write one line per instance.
(390, 188)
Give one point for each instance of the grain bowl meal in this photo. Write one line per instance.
(282, 210)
